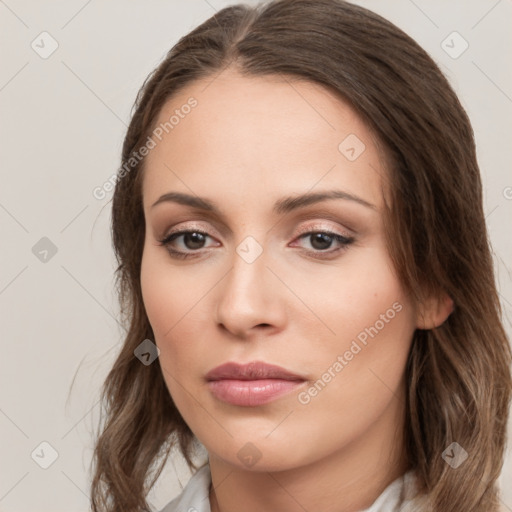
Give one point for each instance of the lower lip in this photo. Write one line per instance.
(250, 393)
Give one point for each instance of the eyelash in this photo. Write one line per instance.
(344, 242)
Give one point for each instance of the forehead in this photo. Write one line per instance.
(259, 137)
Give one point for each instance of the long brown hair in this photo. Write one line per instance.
(459, 381)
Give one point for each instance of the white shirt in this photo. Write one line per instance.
(396, 497)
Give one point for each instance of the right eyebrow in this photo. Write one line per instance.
(281, 206)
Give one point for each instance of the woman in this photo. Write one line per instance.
(305, 275)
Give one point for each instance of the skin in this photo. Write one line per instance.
(249, 142)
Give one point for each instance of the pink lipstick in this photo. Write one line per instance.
(251, 384)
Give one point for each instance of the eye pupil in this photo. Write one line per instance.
(196, 239)
(321, 241)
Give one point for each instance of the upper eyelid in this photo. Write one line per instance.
(318, 213)
(315, 227)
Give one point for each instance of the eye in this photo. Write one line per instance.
(321, 241)
(193, 240)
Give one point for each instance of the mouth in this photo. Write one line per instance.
(252, 384)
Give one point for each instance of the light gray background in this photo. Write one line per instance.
(62, 123)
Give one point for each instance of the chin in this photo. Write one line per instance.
(259, 454)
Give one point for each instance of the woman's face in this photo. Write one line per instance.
(285, 183)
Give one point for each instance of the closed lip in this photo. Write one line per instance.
(255, 370)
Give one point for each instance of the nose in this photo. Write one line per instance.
(251, 299)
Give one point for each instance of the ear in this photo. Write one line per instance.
(433, 312)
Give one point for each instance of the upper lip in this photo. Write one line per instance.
(251, 371)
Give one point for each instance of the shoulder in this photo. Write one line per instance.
(195, 496)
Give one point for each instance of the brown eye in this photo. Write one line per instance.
(321, 241)
(192, 240)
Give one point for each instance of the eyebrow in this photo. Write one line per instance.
(281, 206)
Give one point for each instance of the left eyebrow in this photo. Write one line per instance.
(288, 204)
(281, 206)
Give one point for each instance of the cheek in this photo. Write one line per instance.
(176, 305)
(358, 374)
(373, 324)
(168, 301)
(361, 292)
(167, 293)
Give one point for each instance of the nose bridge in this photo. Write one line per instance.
(247, 280)
(248, 298)
(251, 255)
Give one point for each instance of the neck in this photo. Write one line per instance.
(348, 480)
